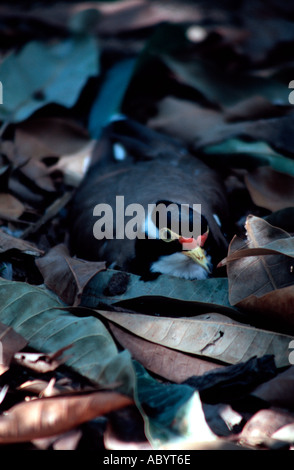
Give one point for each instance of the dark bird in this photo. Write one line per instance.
(136, 168)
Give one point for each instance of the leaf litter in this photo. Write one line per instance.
(91, 351)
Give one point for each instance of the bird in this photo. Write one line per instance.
(149, 207)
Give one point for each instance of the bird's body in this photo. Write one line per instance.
(178, 179)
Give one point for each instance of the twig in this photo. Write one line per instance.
(50, 212)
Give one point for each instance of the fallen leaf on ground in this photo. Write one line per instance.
(40, 387)
(62, 139)
(10, 207)
(166, 294)
(50, 137)
(10, 343)
(49, 416)
(285, 434)
(177, 118)
(38, 315)
(270, 189)
(49, 69)
(263, 425)
(165, 362)
(263, 284)
(67, 276)
(67, 441)
(279, 391)
(8, 242)
(41, 362)
(230, 342)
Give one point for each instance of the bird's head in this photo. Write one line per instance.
(180, 252)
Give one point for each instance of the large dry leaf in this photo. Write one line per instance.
(164, 362)
(65, 275)
(50, 416)
(230, 342)
(270, 189)
(263, 283)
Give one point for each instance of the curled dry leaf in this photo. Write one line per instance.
(50, 416)
(67, 276)
(8, 242)
(260, 271)
(41, 362)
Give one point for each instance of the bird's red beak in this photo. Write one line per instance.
(193, 249)
(192, 242)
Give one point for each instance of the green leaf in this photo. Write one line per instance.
(43, 321)
(43, 73)
(166, 293)
(239, 153)
(223, 88)
(163, 404)
(110, 96)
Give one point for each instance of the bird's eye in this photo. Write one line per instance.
(167, 235)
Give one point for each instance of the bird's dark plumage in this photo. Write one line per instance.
(152, 172)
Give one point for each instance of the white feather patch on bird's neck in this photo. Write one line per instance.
(179, 265)
(149, 227)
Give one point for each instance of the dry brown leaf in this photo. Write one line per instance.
(270, 189)
(67, 276)
(10, 343)
(37, 139)
(66, 441)
(278, 391)
(10, 207)
(263, 425)
(46, 417)
(229, 342)
(38, 173)
(285, 434)
(8, 242)
(49, 137)
(168, 363)
(73, 166)
(263, 284)
(37, 387)
(177, 118)
(249, 109)
(41, 362)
